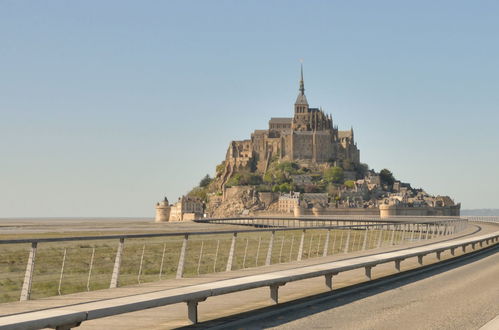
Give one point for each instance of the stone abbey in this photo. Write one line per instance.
(301, 166)
(309, 137)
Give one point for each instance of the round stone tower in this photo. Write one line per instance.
(163, 211)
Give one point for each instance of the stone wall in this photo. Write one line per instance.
(268, 197)
(324, 212)
(387, 211)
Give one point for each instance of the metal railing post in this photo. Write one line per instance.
(258, 251)
(141, 263)
(216, 257)
(201, 256)
(28, 276)
(380, 237)
(365, 240)
(393, 235)
(231, 253)
(300, 249)
(181, 259)
(268, 260)
(62, 272)
(280, 251)
(334, 242)
(291, 247)
(310, 246)
(117, 264)
(245, 253)
(90, 266)
(326, 243)
(347, 242)
(162, 261)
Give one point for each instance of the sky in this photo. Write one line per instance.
(108, 106)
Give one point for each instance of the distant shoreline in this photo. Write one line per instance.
(75, 219)
(480, 212)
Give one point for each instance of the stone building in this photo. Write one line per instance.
(308, 137)
(163, 209)
(185, 209)
(288, 202)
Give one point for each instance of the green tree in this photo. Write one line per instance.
(205, 182)
(244, 179)
(361, 169)
(288, 168)
(284, 188)
(279, 173)
(334, 175)
(220, 168)
(199, 192)
(386, 177)
(350, 184)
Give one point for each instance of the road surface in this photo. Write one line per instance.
(460, 296)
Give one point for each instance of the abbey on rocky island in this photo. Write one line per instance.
(301, 166)
(309, 137)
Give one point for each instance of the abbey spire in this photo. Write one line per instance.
(301, 99)
(302, 84)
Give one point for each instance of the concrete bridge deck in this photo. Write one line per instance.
(175, 315)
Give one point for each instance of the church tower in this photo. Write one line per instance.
(301, 117)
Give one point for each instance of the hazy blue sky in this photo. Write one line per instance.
(107, 106)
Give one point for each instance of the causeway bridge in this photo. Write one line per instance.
(194, 277)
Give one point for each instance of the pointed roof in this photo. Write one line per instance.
(301, 99)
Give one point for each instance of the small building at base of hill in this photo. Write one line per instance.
(185, 209)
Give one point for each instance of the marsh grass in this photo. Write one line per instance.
(204, 254)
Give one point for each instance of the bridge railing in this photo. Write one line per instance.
(493, 219)
(61, 317)
(319, 221)
(34, 268)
